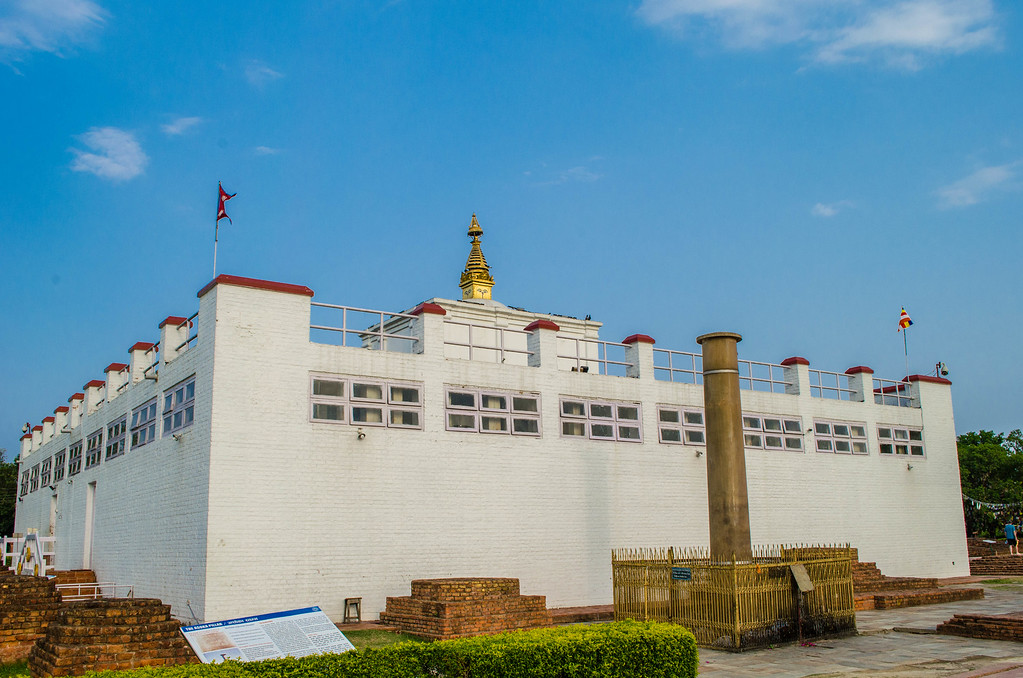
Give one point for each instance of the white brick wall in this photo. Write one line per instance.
(304, 513)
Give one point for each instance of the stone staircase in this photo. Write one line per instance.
(994, 627)
(876, 591)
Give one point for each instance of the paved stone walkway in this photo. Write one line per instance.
(897, 643)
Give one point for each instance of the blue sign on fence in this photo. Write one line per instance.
(681, 573)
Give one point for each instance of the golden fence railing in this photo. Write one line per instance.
(737, 605)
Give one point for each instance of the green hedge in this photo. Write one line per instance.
(619, 650)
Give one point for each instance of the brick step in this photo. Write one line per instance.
(887, 600)
(992, 627)
(1001, 564)
(576, 615)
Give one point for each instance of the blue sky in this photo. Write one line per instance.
(793, 170)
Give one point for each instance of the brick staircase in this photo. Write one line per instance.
(114, 634)
(84, 581)
(28, 605)
(876, 591)
(997, 564)
(994, 627)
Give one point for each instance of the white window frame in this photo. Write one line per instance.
(790, 434)
(179, 400)
(94, 448)
(59, 466)
(682, 426)
(75, 455)
(590, 420)
(143, 424)
(24, 483)
(479, 412)
(825, 433)
(914, 446)
(46, 472)
(33, 479)
(117, 438)
(348, 402)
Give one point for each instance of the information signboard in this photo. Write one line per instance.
(681, 573)
(294, 633)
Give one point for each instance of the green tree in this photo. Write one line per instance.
(991, 471)
(8, 493)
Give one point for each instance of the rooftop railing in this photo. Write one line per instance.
(583, 355)
(678, 366)
(830, 385)
(469, 341)
(890, 392)
(765, 377)
(363, 328)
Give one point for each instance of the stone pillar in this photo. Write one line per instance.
(861, 381)
(429, 329)
(797, 375)
(727, 498)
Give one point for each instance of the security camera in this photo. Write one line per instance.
(361, 434)
(179, 436)
(26, 428)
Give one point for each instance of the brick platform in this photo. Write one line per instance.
(457, 608)
(876, 591)
(27, 607)
(978, 547)
(999, 564)
(99, 635)
(83, 578)
(993, 627)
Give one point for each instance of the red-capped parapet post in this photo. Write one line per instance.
(797, 375)
(639, 354)
(428, 328)
(542, 343)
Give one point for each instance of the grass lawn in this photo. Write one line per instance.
(372, 638)
(15, 669)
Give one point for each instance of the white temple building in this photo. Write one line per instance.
(273, 452)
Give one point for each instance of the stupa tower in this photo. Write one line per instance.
(476, 281)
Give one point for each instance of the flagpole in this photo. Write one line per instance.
(905, 346)
(216, 235)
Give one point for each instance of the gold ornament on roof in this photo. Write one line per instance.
(476, 281)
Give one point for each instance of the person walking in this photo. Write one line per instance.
(1010, 539)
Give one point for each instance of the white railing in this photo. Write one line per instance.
(364, 328)
(153, 370)
(94, 590)
(486, 343)
(766, 377)
(831, 385)
(678, 366)
(891, 392)
(193, 333)
(10, 551)
(582, 354)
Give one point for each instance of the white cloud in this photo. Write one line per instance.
(898, 32)
(259, 74)
(979, 186)
(266, 150)
(116, 154)
(180, 125)
(46, 25)
(828, 210)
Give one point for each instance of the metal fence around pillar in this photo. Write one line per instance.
(737, 605)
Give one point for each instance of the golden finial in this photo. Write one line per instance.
(476, 281)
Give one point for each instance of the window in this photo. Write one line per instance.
(840, 437)
(481, 410)
(24, 483)
(772, 433)
(93, 448)
(601, 420)
(363, 402)
(58, 465)
(33, 479)
(681, 425)
(893, 440)
(116, 434)
(74, 459)
(143, 424)
(179, 407)
(46, 472)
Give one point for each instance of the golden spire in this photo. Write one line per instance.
(476, 281)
